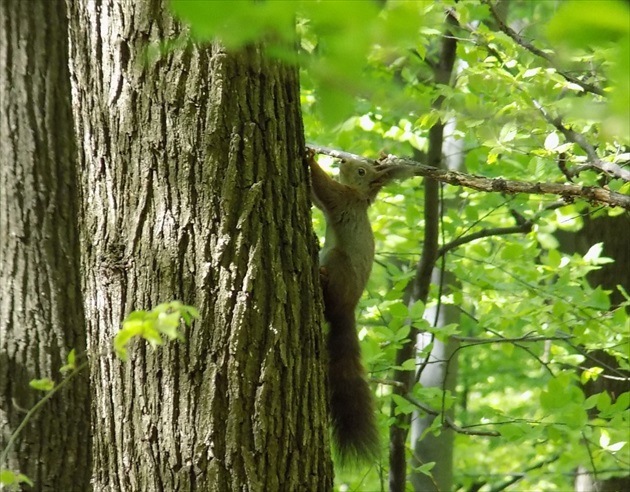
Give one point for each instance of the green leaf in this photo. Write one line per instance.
(11, 479)
(398, 310)
(163, 319)
(426, 468)
(70, 362)
(590, 374)
(416, 310)
(621, 403)
(189, 313)
(408, 365)
(42, 384)
(604, 401)
(8, 477)
(554, 259)
(508, 132)
(514, 431)
(403, 406)
(71, 358)
(24, 479)
(588, 23)
(512, 251)
(574, 416)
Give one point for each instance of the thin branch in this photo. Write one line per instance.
(40, 403)
(568, 192)
(577, 138)
(518, 39)
(525, 338)
(590, 456)
(604, 376)
(519, 476)
(425, 361)
(448, 421)
(495, 231)
(523, 226)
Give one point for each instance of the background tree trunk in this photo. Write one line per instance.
(614, 232)
(195, 188)
(440, 371)
(41, 309)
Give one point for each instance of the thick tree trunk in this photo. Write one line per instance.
(41, 314)
(195, 189)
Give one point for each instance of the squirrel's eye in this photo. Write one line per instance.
(361, 171)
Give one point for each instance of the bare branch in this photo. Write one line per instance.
(518, 39)
(568, 192)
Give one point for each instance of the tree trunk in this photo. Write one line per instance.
(614, 233)
(195, 189)
(441, 371)
(41, 309)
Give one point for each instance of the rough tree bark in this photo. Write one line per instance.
(41, 313)
(195, 188)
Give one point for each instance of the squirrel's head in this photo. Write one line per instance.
(356, 174)
(369, 179)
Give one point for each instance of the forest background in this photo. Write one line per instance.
(495, 325)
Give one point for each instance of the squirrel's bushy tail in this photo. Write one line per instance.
(354, 428)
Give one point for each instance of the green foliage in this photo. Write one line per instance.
(42, 384)
(12, 481)
(529, 315)
(581, 26)
(163, 320)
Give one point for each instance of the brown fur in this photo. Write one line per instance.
(345, 266)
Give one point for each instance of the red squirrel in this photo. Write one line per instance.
(345, 265)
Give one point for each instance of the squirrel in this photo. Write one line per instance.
(345, 265)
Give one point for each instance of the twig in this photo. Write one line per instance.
(448, 421)
(523, 226)
(526, 338)
(40, 403)
(495, 231)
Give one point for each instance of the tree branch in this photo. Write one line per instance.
(495, 231)
(518, 39)
(568, 192)
(523, 227)
(577, 138)
(526, 338)
(448, 421)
